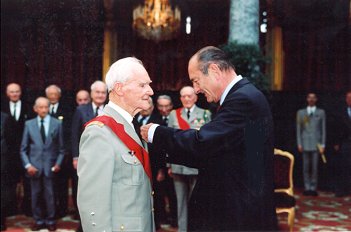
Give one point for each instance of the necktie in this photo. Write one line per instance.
(14, 111)
(42, 130)
(52, 110)
(188, 114)
(142, 119)
(97, 111)
(165, 119)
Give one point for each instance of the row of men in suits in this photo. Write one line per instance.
(311, 139)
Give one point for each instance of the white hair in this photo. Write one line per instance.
(96, 83)
(53, 86)
(39, 99)
(121, 71)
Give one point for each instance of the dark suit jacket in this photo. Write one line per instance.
(343, 133)
(41, 155)
(6, 164)
(15, 137)
(234, 154)
(82, 115)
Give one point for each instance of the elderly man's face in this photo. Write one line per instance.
(41, 107)
(188, 97)
(53, 95)
(164, 106)
(99, 94)
(206, 84)
(13, 92)
(82, 98)
(137, 90)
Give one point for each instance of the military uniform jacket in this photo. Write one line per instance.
(197, 119)
(311, 130)
(114, 192)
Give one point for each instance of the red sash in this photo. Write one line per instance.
(134, 147)
(184, 125)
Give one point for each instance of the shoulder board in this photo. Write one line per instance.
(100, 124)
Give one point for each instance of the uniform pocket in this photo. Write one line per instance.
(133, 171)
(126, 224)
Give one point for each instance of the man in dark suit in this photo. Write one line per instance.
(233, 152)
(342, 147)
(6, 185)
(42, 153)
(82, 115)
(158, 163)
(59, 110)
(17, 111)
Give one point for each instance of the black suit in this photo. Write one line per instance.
(14, 143)
(63, 113)
(163, 188)
(234, 155)
(343, 157)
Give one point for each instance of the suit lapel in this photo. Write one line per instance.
(127, 127)
(36, 130)
(50, 131)
(90, 112)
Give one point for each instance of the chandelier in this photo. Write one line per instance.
(156, 20)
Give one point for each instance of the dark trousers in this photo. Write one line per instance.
(43, 188)
(343, 170)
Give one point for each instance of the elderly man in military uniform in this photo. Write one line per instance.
(114, 186)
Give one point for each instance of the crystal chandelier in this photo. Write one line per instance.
(156, 20)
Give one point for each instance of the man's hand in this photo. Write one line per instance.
(160, 175)
(75, 163)
(55, 168)
(32, 170)
(300, 148)
(144, 131)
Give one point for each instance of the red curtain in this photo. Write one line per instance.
(51, 42)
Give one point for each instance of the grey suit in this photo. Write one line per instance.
(42, 156)
(310, 131)
(184, 178)
(114, 192)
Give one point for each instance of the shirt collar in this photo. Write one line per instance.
(191, 109)
(46, 118)
(228, 88)
(122, 112)
(311, 109)
(18, 103)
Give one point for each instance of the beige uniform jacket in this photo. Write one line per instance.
(114, 192)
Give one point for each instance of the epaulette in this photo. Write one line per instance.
(100, 124)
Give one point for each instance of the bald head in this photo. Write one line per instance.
(82, 97)
(13, 92)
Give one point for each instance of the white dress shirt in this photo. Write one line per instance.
(53, 108)
(16, 105)
(311, 109)
(99, 110)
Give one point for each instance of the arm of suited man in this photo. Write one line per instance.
(228, 129)
(95, 172)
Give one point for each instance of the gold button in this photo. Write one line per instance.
(153, 210)
(94, 224)
(135, 161)
(153, 193)
(92, 213)
(122, 227)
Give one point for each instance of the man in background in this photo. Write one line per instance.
(158, 164)
(18, 114)
(82, 97)
(42, 153)
(311, 136)
(61, 111)
(82, 115)
(164, 106)
(184, 178)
